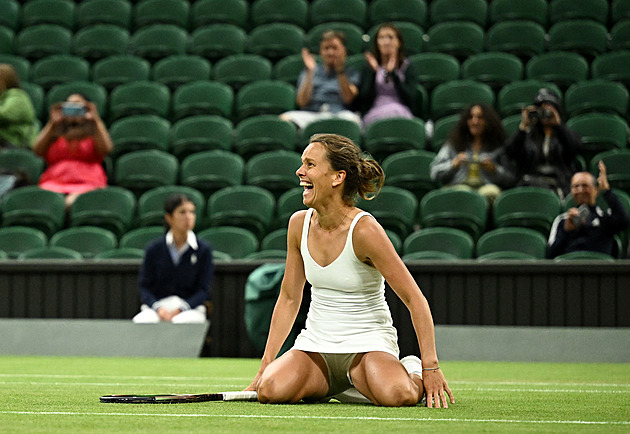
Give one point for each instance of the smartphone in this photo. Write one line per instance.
(583, 212)
(73, 109)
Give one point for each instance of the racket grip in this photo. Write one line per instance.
(240, 396)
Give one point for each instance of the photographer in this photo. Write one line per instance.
(587, 226)
(74, 143)
(543, 151)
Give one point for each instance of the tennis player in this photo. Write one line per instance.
(349, 348)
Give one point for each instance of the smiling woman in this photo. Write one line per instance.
(349, 349)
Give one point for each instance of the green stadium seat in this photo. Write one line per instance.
(10, 17)
(37, 95)
(202, 98)
(617, 163)
(395, 209)
(264, 97)
(612, 66)
(596, 95)
(529, 207)
(149, 12)
(246, 206)
(173, 71)
(275, 240)
(200, 133)
(510, 10)
(151, 203)
(388, 136)
(206, 12)
(112, 71)
(264, 133)
(496, 69)
(139, 132)
(273, 170)
(381, 11)
(120, 253)
(560, 67)
(140, 171)
(511, 239)
(586, 37)
(99, 41)
(156, 41)
(619, 10)
(620, 36)
(57, 12)
(280, 11)
(237, 242)
(523, 38)
(275, 40)
(460, 209)
(34, 207)
(457, 38)
(112, 208)
(239, 69)
(24, 160)
(325, 11)
(600, 132)
(42, 40)
(139, 97)
(475, 11)
(59, 68)
(288, 69)
(216, 41)
(565, 10)
(87, 240)
(7, 37)
(116, 12)
(452, 97)
(434, 68)
(441, 130)
(21, 65)
(17, 239)
(288, 203)
(344, 127)
(431, 243)
(139, 238)
(584, 255)
(50, 252)
(410, 170)
(210, 171)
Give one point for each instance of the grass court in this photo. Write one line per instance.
(61, 394)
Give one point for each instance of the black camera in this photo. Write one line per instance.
(540, 113)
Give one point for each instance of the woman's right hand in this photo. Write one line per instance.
(55, 115)
(459, 159)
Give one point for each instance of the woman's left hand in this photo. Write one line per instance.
(436, 389)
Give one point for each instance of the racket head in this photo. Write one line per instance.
(170, 398)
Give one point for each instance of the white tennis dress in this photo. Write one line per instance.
(348, 312)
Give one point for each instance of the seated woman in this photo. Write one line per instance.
(388, 84)
(472, 156)
(177, 270)
(74, 143)
(18, 126)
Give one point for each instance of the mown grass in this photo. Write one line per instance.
(60, 394)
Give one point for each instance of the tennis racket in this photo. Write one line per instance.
(180, 398)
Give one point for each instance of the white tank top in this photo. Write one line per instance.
(348, 312)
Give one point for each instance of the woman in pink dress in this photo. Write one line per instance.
(74, 143)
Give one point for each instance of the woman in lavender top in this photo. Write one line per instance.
(388, 84)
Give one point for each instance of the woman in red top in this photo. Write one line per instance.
(74, 143)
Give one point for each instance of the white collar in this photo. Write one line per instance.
(191, 239)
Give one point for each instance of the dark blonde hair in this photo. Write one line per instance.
(9, 76)
(364, 176)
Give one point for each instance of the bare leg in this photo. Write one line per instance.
(382, 378)
(70, 198)
(294, 376)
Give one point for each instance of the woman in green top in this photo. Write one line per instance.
(17, 116)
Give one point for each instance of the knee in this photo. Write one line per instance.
(400, 396)
(268, 391)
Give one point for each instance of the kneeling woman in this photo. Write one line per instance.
(349, 348)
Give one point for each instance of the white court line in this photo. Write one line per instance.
(371, 418)
(181, 386)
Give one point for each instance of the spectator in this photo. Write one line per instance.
(587, 226)
(18, 127)
(472, 158)
(388, 83)
(325, 90)
(74, 143)
(177, 270)
(543, 150)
